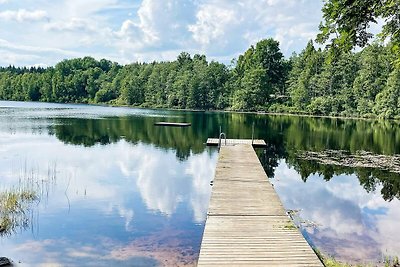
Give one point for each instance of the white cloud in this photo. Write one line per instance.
(213, 24)
(12, 58)
(7, 45)
(150, 30)
(159, 26)
(27, 55)
(224, 27)
(82, 9)
(23, 15)
(232, 27)
(132, 36)
(74, 24)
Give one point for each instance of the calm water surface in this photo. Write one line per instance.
(113, 189)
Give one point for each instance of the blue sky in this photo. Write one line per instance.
(38, 32)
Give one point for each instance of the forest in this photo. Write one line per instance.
(362, 84)
(335, 81)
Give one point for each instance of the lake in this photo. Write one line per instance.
(103, 186)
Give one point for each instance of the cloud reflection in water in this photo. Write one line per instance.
(113, 204)
(354, 225)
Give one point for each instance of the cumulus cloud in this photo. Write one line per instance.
(212, 23)
(158, 24)
(233, 26)
(134, 36)
(150, 30)
(23, 15)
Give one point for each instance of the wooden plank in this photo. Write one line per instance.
(247, 224)
(172, 124)
(244, 198)
(229, 142)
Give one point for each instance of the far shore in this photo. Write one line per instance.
(222, 111)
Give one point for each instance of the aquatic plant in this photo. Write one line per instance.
(391, 261)
(14, 207)
(329, 261)
(16, 203)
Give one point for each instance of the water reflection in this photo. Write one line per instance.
(138, 203)
(129, 193)
(51, 252)
(369, 178)
(353, 225)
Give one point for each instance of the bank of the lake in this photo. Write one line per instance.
(369, 117)
(363, 84)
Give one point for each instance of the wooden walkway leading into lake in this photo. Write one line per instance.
(247, 224)
(255, 143)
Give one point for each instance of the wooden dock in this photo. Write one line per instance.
(255, 142)
(173, 124)
(247, 224)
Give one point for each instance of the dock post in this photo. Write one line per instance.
(252, 134)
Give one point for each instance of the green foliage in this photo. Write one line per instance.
(260, 72)
(363, 84)
(254, 90)
(355, 84)
(388, 101)
(346, 23)
(330, 261)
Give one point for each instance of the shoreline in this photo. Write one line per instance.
(221, 111)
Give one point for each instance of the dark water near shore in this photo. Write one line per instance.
(113, 189)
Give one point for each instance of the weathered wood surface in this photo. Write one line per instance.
(247, 224)
(172, 124)
(229, 142)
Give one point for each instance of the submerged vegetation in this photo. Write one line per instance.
(359, 159)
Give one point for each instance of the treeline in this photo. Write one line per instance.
(186, 83)
(362, 84)
(353, 84)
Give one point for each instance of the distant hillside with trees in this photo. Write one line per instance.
(363, 84)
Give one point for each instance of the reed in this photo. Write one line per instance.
(17, 202)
